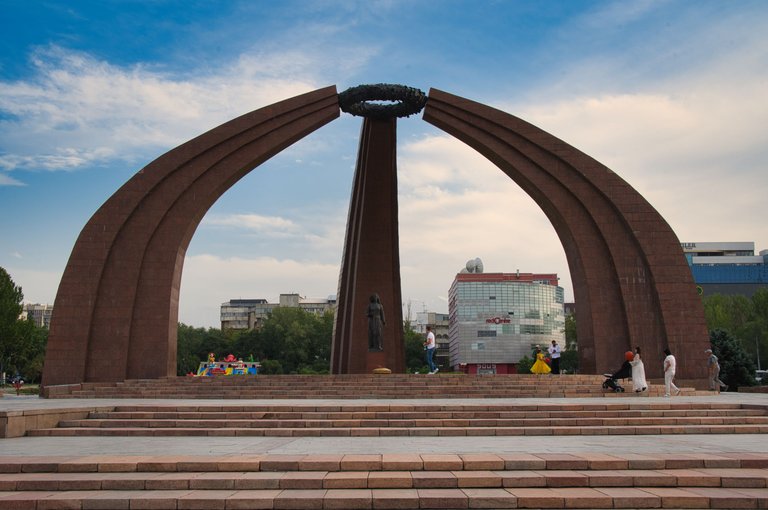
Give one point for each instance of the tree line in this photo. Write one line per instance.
(738, 332)
(22, 343)
(294, 341)
(290, 341)
(746, 319)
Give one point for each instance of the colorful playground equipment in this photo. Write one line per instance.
(227, 366)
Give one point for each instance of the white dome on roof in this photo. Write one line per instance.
(473, 266)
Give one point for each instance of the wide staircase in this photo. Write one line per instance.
(387, 481)
(343, 416)
(389, 386)
(617, 417)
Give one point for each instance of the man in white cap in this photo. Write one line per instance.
(714, 372)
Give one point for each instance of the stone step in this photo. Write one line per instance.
(411, 462)
(608, 417)
(256, 480)
(396, 386)
(492, 406)
(404, 481)
(437, 423)
(401, 431)
(290, 395)
(446, 411)
(621, 418)
(403, 499)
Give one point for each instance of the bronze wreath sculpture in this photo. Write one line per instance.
(406, 101)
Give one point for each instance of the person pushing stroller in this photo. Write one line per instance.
(625, 372)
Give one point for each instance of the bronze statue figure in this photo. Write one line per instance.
(376, 323)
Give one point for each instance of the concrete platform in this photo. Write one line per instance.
(41, 446)
(355, 473)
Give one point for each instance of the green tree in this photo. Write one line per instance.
(524, 365)
(32, 343)
(271, 366)
(570, 330)
(736, 366)
(569, 358)
(569, 361)
(289, 341)
(299, 340)
(194, 344)
(727, 312)
(745, 319)
(22, 344)
(415, 357)
(755, 332)
(10, 309)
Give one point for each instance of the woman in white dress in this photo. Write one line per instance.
(638, 373)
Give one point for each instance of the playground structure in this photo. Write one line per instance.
(227, 366)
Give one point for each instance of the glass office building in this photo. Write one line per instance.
(730, 268)
(497, 318)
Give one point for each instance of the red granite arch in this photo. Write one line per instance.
(116, 309)
(631, 282)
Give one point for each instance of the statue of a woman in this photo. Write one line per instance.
(376, 323)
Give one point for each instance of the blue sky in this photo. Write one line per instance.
(671, 95)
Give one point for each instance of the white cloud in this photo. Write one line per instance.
(264, 225)
(79, 111)
(7, 180)
(37, 286)
(690, 139)
(684, 152)
(619, 13)
(60, 159)
(680, 116)
(209, 281)
(454, 206)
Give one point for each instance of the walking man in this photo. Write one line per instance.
(430, 345)
(713, 366)
(670, 364)
(554, 355)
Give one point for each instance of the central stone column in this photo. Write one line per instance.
(371, 261)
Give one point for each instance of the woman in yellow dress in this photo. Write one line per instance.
(540, 366)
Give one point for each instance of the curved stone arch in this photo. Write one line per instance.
(631, 281)
(116, 309)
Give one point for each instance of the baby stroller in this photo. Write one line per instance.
(625, 372)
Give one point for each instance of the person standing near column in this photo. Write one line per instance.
(554, 355)
(713, 366)
(670, 364)
(639, 383)
(430, 346)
